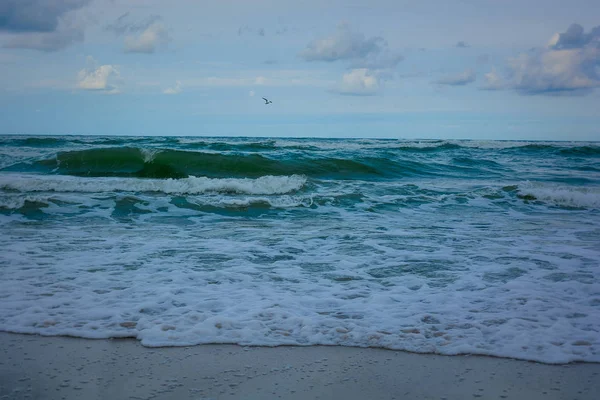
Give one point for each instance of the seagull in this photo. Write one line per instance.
(267, 101)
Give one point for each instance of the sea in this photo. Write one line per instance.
(430, 246)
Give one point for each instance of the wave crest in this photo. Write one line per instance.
(265, 185)
(168, 163)
(563, 196)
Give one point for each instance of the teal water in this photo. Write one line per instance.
(483, 247)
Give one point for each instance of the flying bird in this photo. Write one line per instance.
(267, 101)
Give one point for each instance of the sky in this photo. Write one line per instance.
(466, 69)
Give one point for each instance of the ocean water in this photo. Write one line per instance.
(449, 247)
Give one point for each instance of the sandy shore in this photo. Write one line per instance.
(35, 367)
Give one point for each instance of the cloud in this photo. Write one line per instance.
(103, 78)
(575, 38)
(568, 65)
(123, 25)
(144, 36)
(358, 82)
(460, 79)
(381, 61)
(348, 44)
(148, 40)
(370, 59)
(554, 72)
(493, 81)
(174, 90)
(46, 25)
(120, 26)
(462, 44)
(51, 41)
(35, 15)
(344, 44)
(243, 30)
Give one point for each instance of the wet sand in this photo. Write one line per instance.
(36, 367)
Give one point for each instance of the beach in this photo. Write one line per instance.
(37, 367)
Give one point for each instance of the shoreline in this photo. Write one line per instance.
(59, 367)
(253, 346)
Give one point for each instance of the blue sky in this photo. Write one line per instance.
(477, 69)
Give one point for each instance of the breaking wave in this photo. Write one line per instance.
(265, 185)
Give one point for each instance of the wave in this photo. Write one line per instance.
(582, 151)
(178, 164)
(562, 196)
(33, 141)
(557, 148)
(23, 204)
(478, 163)
(58, 141)
(265, 185)
(307, 144)
(230, 146)
(257, 203)
(166, 163)
(395, 146)
(428, 147)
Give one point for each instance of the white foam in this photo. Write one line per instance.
(284, 201)
(149, 153)
(569, 196)
(265, 185)
(423, 280)
(15, 202)
(14, 155)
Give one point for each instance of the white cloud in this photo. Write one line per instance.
(370, 59)
(460, 79)
(103, 78)
(493, 81)
(568, 65)
(251, 93)
(553, 40)
(148, 40)
(358, 82)
(554, 71)
(346, 43)
(174, 90)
